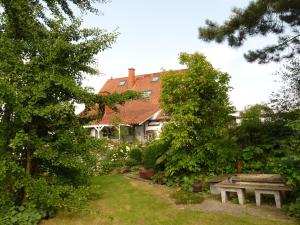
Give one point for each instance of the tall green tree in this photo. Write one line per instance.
(197, 101)
(260, 17)
(46, 157)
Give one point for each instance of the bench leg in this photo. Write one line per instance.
(224, 196)
(241, 196)
(277, 199)
(276, 195)
(257, 198)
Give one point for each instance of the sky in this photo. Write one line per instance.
(153, 33)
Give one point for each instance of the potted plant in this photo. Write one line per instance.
(146, 173)
(197, 185)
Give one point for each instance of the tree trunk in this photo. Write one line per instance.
(28, 162)
(28, 173)
(6, 120)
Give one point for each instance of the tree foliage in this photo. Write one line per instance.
(197, 101)
(259, 136)
(39, 9)
(46, 157)
(268, 143)
(287, 98)
(251, 128)
(260, 17)
(289, 164)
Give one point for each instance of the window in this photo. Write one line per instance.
(109, 132)
(131, 131)
(154, 79)
(147, 94)
(122, 82)
(150, 135)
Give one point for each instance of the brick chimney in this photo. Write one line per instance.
(131, 77)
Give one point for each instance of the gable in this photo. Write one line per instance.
(143, 83)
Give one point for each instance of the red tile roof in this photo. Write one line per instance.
(135, 111)
(142, 83)
(132, 112)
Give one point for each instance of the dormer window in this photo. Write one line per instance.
(154, 79)
(147, 94)
(122, 82)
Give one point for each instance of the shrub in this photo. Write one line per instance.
(112, 158)
(152, 154)
(21, 215)
(150, 157)
(122, 155)
(136, 154)
(253, 158)
(186, 197)
(294, 208)
(131, 162)
(159, 178)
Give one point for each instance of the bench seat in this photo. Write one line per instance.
(256, 186)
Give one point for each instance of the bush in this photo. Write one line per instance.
(294, 208)
(114, 158)
(254, 159)
(187, 184)
(159, 178)
(186, 197)
(119, 156)
(21, 215)
(150, 157)
(153, 151)
(136, 154)
(131, 162)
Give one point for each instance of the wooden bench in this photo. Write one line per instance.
(270, 184)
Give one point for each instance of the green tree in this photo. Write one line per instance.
(287, 98)
(254, 137)
(46, 157)
(260, 17)
(251, 129)
(197, 101)
(269, 143)
(288, 163)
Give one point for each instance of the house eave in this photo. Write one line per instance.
(148, 118)
(105, 125)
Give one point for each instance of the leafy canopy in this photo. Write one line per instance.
(260, 17)
(268, 142)
(46, 157)
(197, 101)
(287, 98)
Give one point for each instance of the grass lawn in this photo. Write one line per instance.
(123, 204)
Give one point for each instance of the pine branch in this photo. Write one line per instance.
(287, 41)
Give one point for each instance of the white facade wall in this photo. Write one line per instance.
(154, 126)
(143, 133)
(140, 133)
(93, 132)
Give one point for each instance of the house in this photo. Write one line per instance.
(139, 120)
